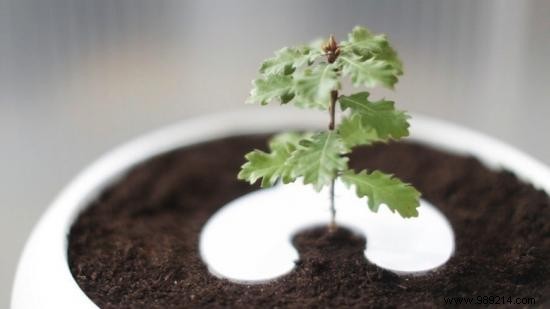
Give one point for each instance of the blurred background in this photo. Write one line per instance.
(78, 77)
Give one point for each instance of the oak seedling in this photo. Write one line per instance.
(310, 77)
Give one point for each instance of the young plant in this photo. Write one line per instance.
(309, 77)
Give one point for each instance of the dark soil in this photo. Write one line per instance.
(136, 246)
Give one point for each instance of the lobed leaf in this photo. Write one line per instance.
(288, 140)
(369, 59)
(318, 160)
(380, 115)
(365, 44)
(287, 60)
(362, 42)
(382, 188)
(274, 87)
(312, 87)
(275, 165)
(354, 133)
(309, 88)
(369, 72)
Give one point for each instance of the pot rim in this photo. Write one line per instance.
(43, 278)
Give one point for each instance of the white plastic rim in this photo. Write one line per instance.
(43, 278)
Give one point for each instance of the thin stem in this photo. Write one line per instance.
(332, 109)
(332, 225)
(332, 51)
(332, 112)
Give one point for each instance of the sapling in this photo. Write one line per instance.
(310, 77)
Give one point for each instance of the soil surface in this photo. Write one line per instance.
(136, 246)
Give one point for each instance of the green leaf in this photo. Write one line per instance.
(382, 188)
(271, 167)
(369, 59)
(380, 115)
(313, 86)
(363, 43)
(274, 87)
(318, 160)
(369, 72)
(354, 133)
(287, 60)
(289, 141)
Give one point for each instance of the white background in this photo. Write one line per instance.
(78, 77)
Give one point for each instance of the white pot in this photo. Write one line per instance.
(43, 278)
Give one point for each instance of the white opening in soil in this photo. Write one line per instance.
(249, 239)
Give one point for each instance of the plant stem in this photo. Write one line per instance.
(332, 224)
(332, 112)
(332, 109)
(332, 50)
